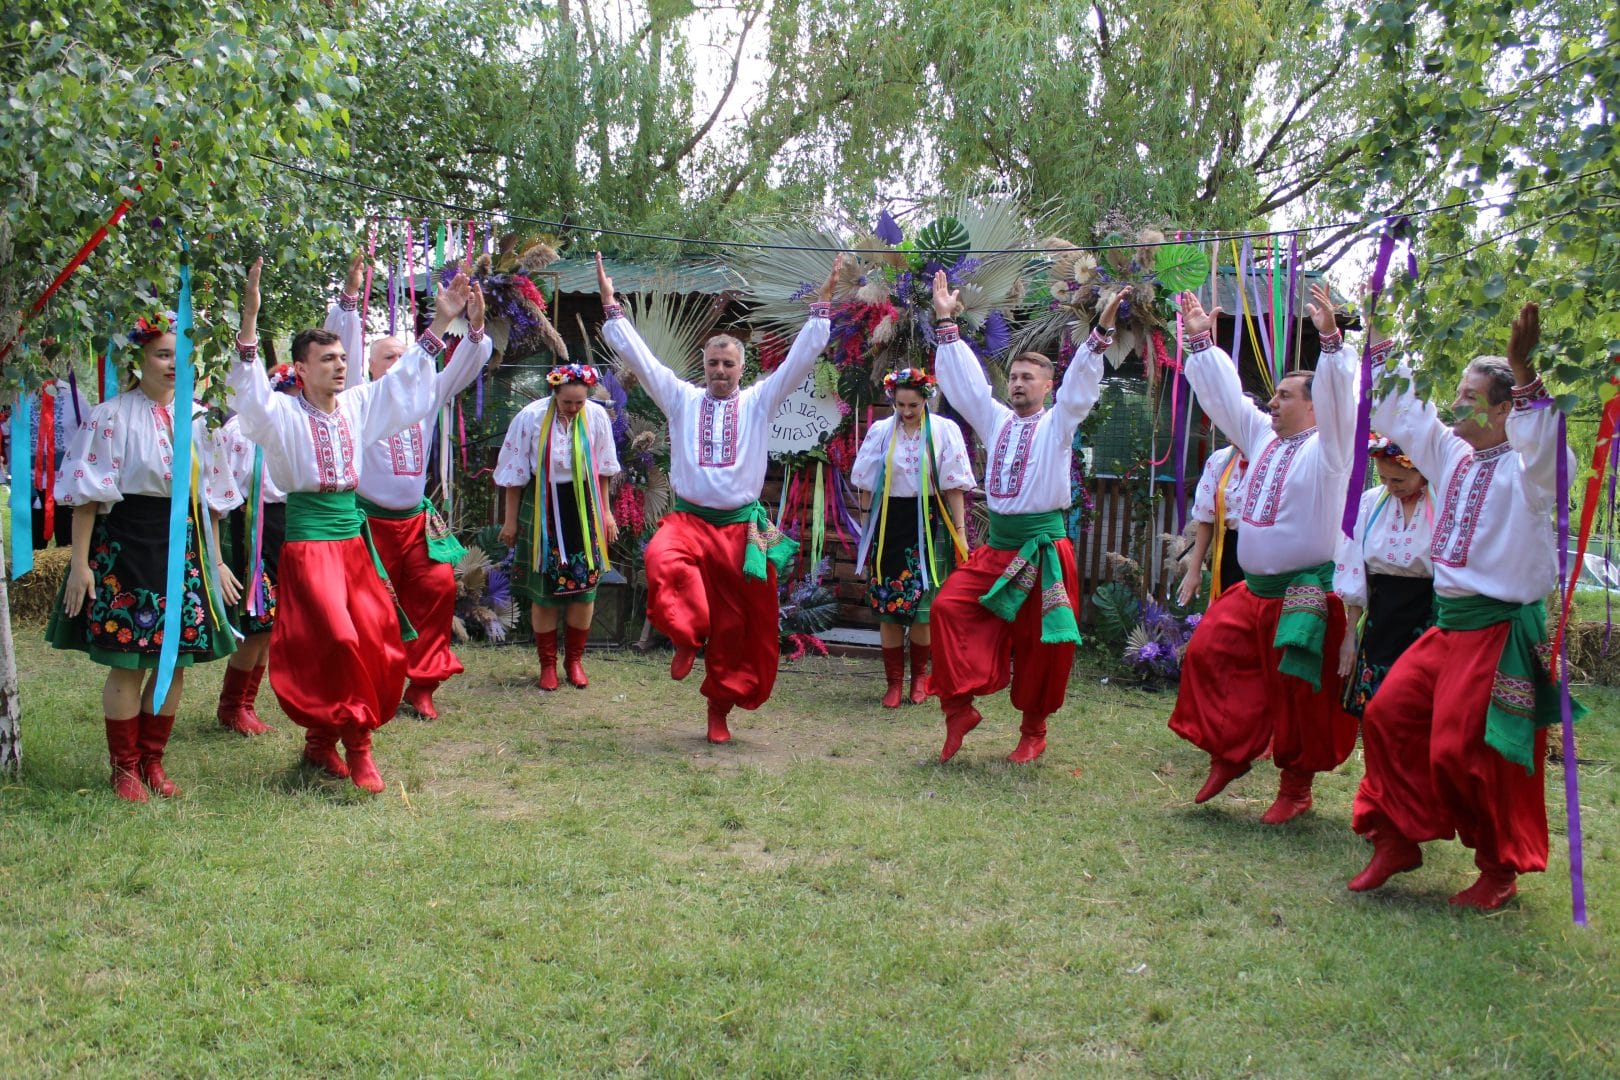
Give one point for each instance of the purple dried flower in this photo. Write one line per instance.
(996, 337)
(888, 230)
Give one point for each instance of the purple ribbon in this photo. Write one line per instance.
(392, 321)
(1293, 296)
(78, 417)
(1572, 789)
(1608, 594)
(1358, 467)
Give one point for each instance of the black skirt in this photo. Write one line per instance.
(123, 624)
(1399, 610)
(559, 582)
(1230, 572)
(240, 552)
(895, 591)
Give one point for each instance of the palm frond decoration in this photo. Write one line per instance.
(882, 298)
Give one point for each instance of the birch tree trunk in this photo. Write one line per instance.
(10, 705)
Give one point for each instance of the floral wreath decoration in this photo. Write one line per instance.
(1380, 446)
(149, 327)
(563, 374)
(910, 378)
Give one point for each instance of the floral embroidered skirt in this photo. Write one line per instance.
(1399, 610)
(560, 581)
(123, 624)
(239, 550)
(895, 591)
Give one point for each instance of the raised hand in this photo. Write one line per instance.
(355, 280)
(452, 301)
(475, 307)
(947, 301)
(1110, 314)
(1194, 319)
(1320, 309)
(826, 293)
(251, 301)
(604, 284)
(1522, 341)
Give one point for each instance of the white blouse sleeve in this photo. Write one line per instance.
(1349, 562)
(604, 453)
(225, 490)
(465, 364)
(955, 468)
(662, 385)
(90, 468)
(515, 465)
(1203, 508)
(869, 458)
(343, 319)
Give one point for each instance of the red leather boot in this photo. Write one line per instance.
(574, 642)
(1496, 886)
(545, 644)
(1293, 797)
(894, 673)
(1221, 773)
(719, 731)
(920, 690)
(320, 750)
(681, 666)
(153, 737)
(250, 696)
(123, 750)
(232, 710)
(357, 753)
(1391, 855)
(419, 696)
(1031, 740)
(960, 718)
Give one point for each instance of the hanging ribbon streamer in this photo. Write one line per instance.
(1572, 792)
(1358, 454)
(365, 294)
(1241, 266)
(22, 502)
(393, 315)
(410, 276)
(1180, 419)
(66, 272)
(185, 381)
(258, 599)
(107, 375)
(1295, 327)
(73, 391)
(45, 457)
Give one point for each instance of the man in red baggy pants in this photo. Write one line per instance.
(1017, 595)
(1455, 738)
(712, 565)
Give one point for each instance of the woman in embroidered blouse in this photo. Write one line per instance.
(561, 525)
(116, 477)
(1385, 570)
(914, 491)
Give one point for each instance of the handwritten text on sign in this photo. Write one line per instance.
(804, 420)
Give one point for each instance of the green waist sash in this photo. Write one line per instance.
(335, 515)
(767, 545)
(441, 543)
(1524, 696)
(1302, 627)
(1033, 537)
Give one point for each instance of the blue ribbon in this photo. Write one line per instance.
(109, 368)
(22, 485)
(185, 381)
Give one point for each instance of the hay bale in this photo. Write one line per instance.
(33, 594)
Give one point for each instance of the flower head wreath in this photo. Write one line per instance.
(149, 327)
(1379, 446)
(563, 374)
(285, 378)
(910, 378)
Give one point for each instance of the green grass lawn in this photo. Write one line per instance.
(577, 883)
